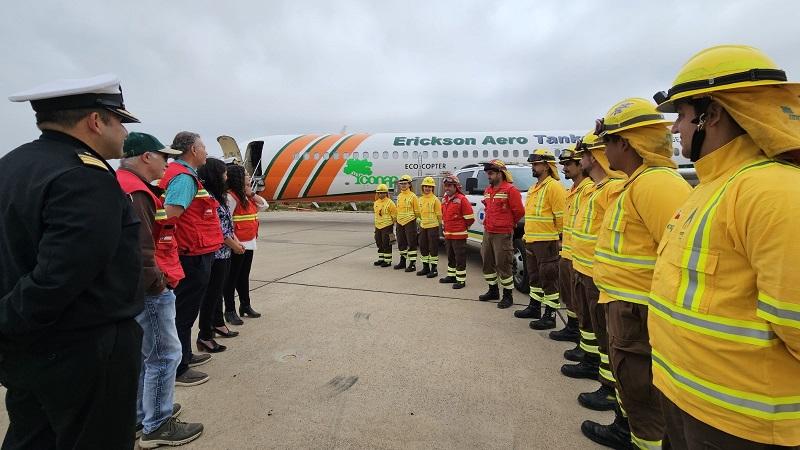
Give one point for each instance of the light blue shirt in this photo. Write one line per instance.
(182, 188)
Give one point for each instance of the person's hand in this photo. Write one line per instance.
(239, 249)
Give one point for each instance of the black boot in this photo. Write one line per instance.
(492, 294)
(378, 262)
(248, 311)
(425, 270)
(386, 263)
(447, 280)
(401, 264)
(533, 311)
(603, 399)
(507, 300)
(588, 368)
(547, 321)
(459, 284)
(569, 333)
(575, 354)
(434, 273)
(617, 435)
(412, 267)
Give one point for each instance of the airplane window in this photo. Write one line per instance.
(306, 157)
(425, 154)
(375, 155)
(516, 153)
(405, 155)
(525, 153)
(316, 156)
(474, 153)
(495, 153)
(297, 156)
(444, 153)
(465, 154)
(505, 153)
(415, 155)
(336, 155)
(385, 155)
(326, 156)
(395, 155)
(486, 153)
(455, 153)
(346, 155)
(435, 154)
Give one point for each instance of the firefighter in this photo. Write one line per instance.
(544, 214)
(503, 209)
(430, 209)
(724, 304)
(407, 214)
(570, 160)
(639, 144)
(594, 365)
(458, 217)
(385, 217)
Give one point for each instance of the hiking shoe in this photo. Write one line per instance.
(191, 378)
(199, 360)
(173, 432)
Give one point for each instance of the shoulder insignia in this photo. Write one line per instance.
(91, 160)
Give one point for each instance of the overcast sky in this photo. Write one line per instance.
(252, 68)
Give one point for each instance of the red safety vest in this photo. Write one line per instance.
(199, 231)
(166, 246)
(457, 215)
(504, 208)
(245, 219)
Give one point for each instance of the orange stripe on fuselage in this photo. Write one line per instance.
(306, 166)
(333, 167)
(282, 164)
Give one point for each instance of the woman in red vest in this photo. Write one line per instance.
(245, 205)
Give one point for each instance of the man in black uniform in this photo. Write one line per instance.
(69, 272)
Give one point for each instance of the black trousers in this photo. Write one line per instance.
(238, 281)
(211, 309)
(188, 297)
(80, 394)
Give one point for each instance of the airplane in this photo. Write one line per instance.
(348, 167)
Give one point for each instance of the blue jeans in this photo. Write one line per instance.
(161, 354)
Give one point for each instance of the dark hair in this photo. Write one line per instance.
(236, 178)
(68, 118)
(212, 173)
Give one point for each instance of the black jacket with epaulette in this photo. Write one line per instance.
(69, 245)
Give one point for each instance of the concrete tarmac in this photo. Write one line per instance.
(349, 355)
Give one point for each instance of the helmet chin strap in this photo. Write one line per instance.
(700, 108)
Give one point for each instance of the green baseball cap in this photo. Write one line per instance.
(140, 143)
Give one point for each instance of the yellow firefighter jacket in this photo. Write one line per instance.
(407, 207)
(725, 303)
(430, 209)
(574, 198)
(625, 254)
(544, 211)
(385, 212)
(588, 219)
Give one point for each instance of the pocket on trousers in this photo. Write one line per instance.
(634, 376)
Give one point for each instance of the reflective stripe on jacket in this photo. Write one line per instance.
(503, 208)
(589, 218)
(430, 211)
(571, 204)
(385, 212)
(458, 216)
(407, 207)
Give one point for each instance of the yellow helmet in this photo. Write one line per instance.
(542, 155)
(720, 68)
(428, 181)
(588, 142)
(406, 178)
(629, 113)
(382, 188)
(569, 154)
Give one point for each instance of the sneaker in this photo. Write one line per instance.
(176, 411)
(191, 378)
(199, 360)
(173, 432)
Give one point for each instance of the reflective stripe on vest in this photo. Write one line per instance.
(245, 217)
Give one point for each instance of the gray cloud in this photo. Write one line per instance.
(255, 68)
